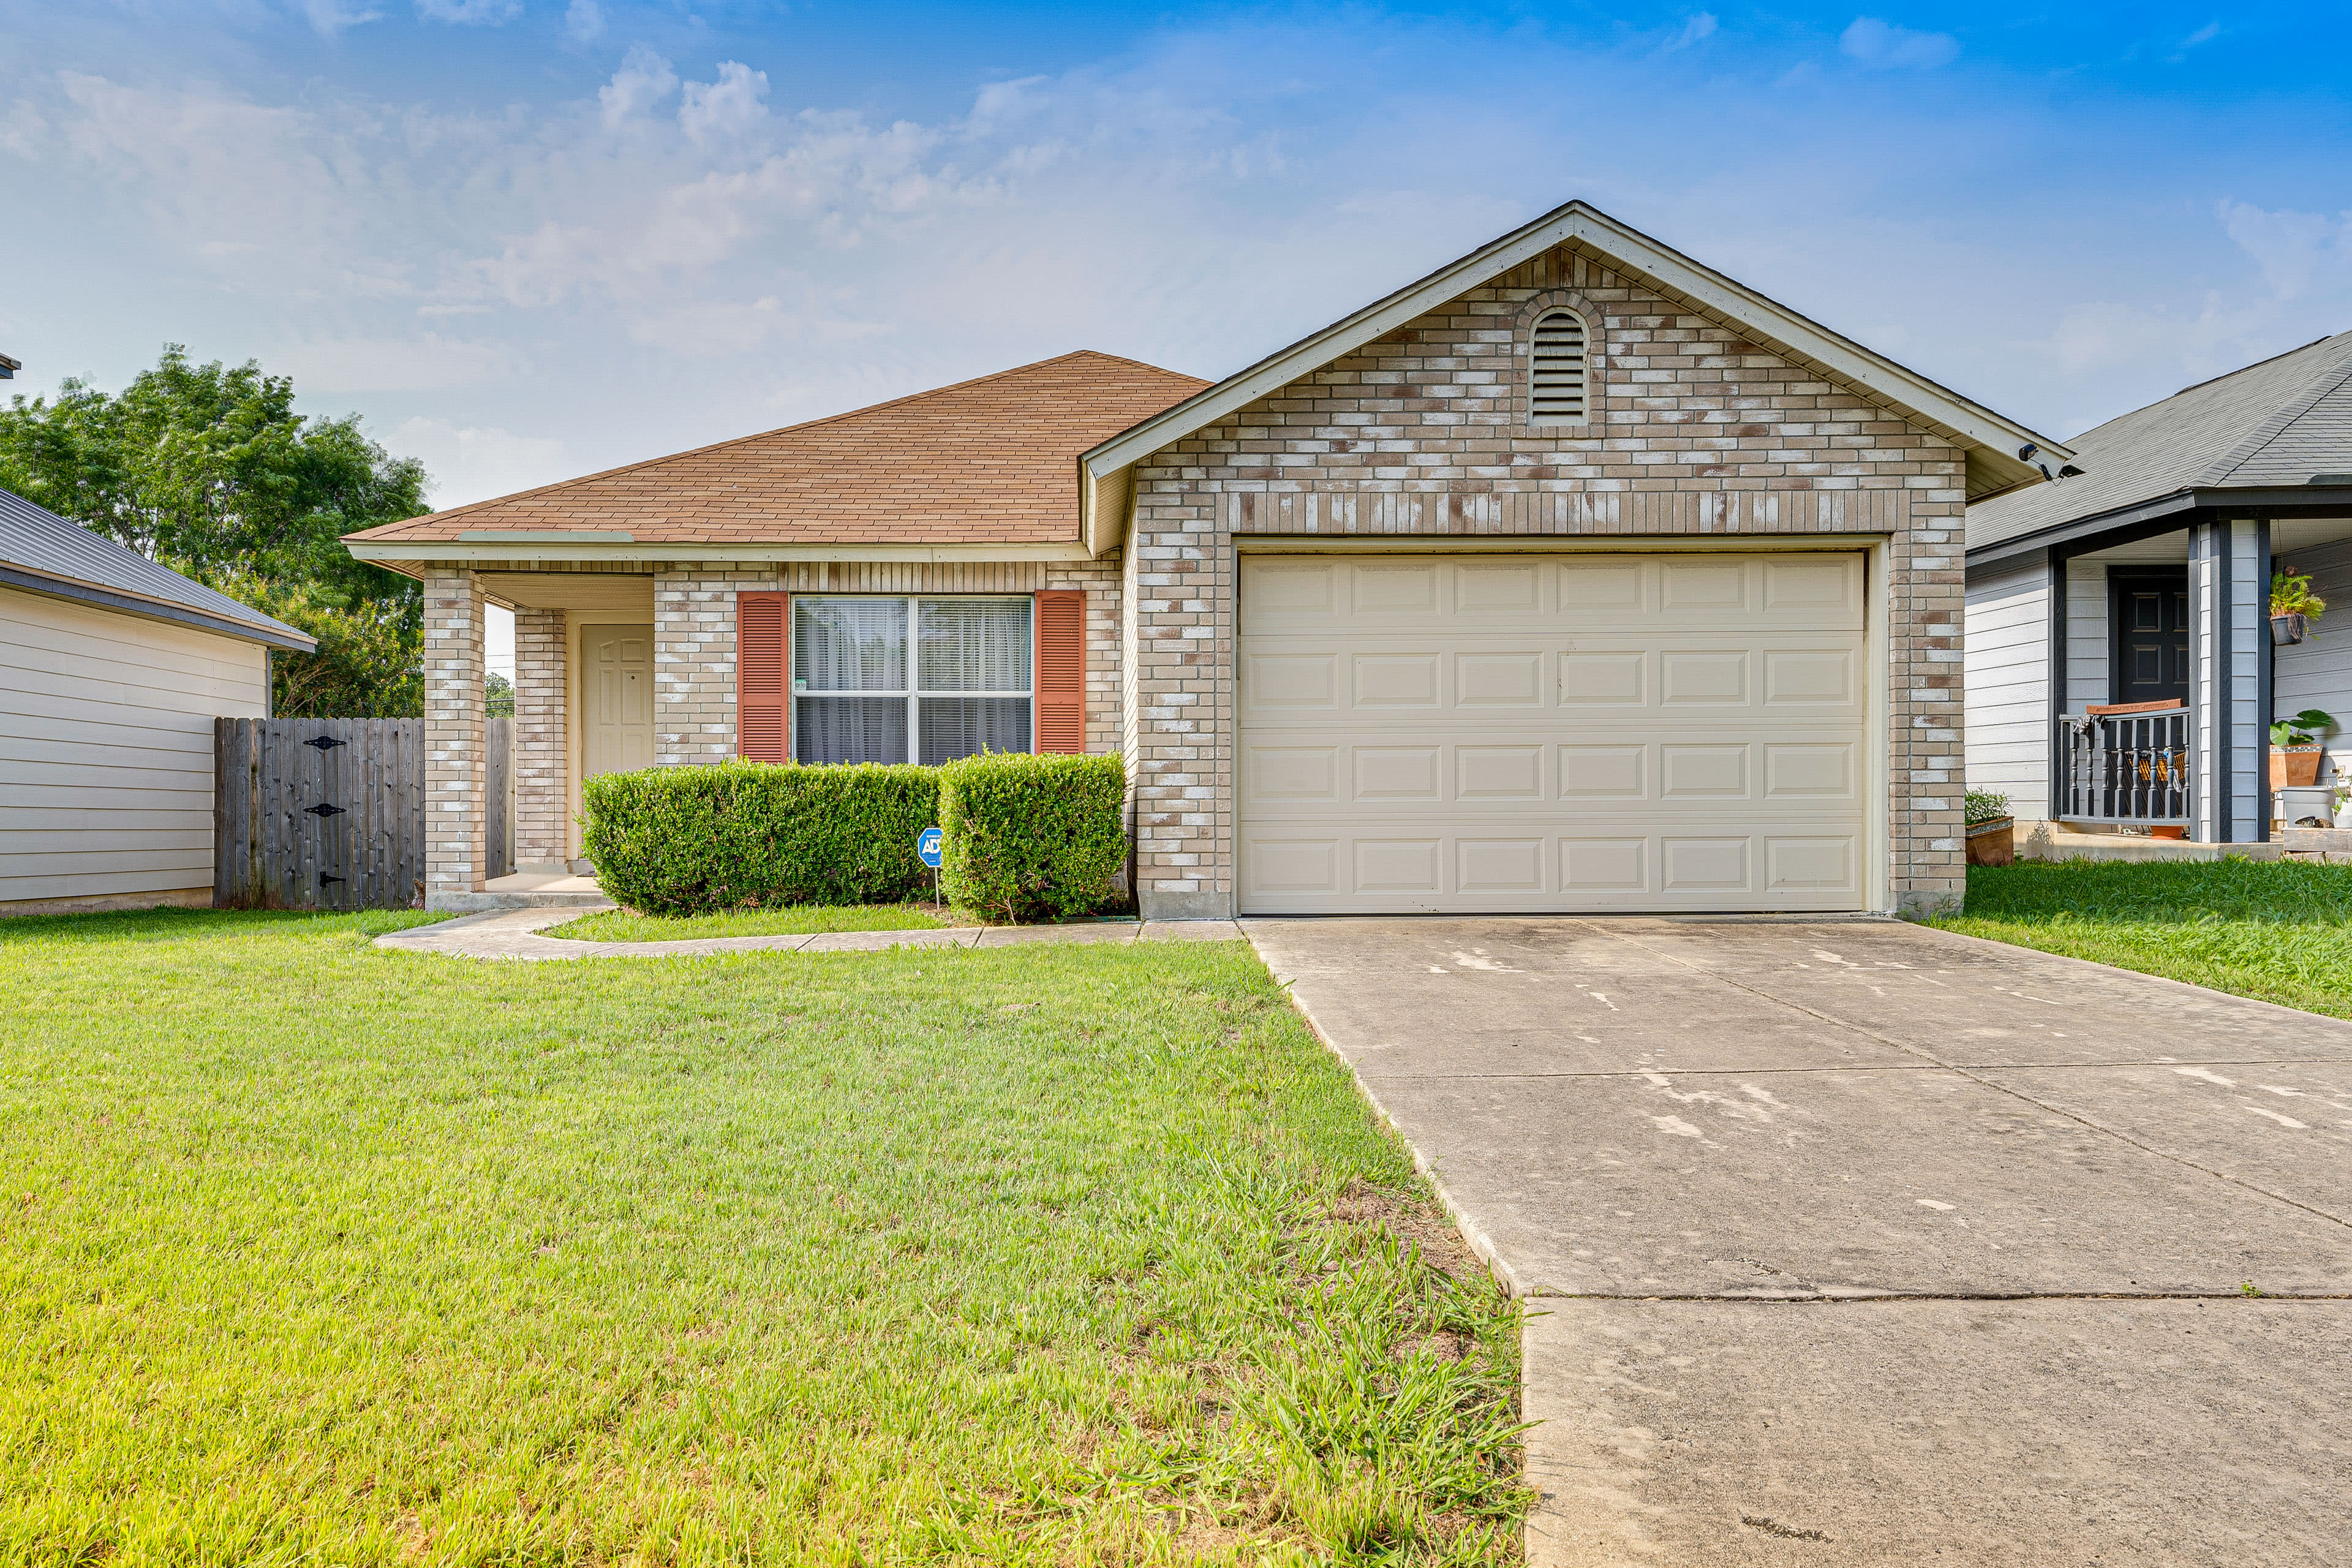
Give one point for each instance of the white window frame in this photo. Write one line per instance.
(913, 691)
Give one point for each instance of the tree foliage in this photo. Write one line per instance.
(210, 470)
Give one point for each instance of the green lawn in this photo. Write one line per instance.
(798, 919)
(310, 1252)
(2278, 930)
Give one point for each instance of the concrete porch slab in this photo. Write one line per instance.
(524, 890)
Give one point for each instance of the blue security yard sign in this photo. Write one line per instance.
(927, 847)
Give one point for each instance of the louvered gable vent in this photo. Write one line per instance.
(1555, 395)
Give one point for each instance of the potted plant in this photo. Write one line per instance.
(2294, 748)
(1992, 833)
(2294, 606)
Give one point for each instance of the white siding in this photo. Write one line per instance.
(2086, 635)
(106, 747)
(2317, 671)
(2008, 697)
(2249, 635)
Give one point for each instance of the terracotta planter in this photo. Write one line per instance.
(2294, 766)
(1993, 843)
(2286, 630)
(2168, 830)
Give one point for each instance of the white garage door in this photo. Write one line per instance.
(1466, 733)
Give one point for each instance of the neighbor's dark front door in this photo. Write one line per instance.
(2149, 607)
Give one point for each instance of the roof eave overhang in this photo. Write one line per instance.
(2169, 512)
(152, 609)
(1990, 439)
(2172, 511)
(553, 546)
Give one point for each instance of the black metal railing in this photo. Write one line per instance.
(2125, 767)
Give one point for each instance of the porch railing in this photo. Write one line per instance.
(2125, 767)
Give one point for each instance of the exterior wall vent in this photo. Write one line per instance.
(1555, 370)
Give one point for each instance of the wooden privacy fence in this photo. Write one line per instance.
(329, 813)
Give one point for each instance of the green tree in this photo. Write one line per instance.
(210, 471)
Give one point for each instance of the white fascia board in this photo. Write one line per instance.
(1974, 424)
(391, 551)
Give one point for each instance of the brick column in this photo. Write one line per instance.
(455, 753)
(543, 750)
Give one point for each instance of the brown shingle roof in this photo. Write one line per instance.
(991, 461)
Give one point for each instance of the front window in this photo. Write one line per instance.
(857, 697)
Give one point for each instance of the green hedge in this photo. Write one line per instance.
(682, 841)
(1027, 834)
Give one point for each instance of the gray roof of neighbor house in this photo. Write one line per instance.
(46, 554)
(2283, 422)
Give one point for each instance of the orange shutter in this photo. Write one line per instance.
(762, 623)
(1062, 671)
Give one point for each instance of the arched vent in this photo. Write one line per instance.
(1555, 377)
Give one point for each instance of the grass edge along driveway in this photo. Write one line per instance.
(1045, 1254)
(2280, 930)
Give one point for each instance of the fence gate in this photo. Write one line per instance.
(329, 813)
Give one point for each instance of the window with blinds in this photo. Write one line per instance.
(910, 680)
(1555, 370)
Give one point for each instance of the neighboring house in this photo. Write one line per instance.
(1575, 577)
(112, 671)
(2145, 581)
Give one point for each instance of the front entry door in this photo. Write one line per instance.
(616, 692)
(2150, 605)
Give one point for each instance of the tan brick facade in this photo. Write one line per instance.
(1423, 434)
(542, 747)
(454, 762)
(694, 633)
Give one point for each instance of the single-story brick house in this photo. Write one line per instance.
(1575, 577)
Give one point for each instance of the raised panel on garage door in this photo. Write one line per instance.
(1569, 733)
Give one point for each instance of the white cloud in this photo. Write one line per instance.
(583, 23)
(733, 106)
(644, 80)
(429, 364)
(1882, 46)
(1697, 29)
(470, 13)
(328, 17)
(472, 462)
(2294, 251)
(2204, 35)
(23, 130)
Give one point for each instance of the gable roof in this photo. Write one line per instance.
(1990, 440)
(46, 554)
(983, 462)
(2282, 421)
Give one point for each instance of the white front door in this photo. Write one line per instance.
(616, 690)
(1554, 734)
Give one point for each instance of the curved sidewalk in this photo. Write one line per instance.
(514, 933)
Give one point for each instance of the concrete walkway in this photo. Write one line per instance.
(514, 933)
(1856, 1242)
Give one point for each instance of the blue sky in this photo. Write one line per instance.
(531, 238)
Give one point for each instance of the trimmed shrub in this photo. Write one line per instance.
(690, 841)
(1033, 834)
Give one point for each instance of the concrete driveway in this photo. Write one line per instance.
(1855, 1242)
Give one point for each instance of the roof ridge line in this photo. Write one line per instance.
(737, 440)
(1578, 224)
(2281, 418)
